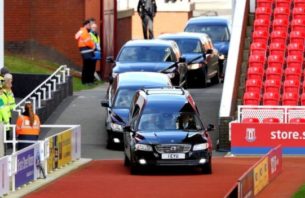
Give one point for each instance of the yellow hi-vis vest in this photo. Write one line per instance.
(5, 109)
(10, 102)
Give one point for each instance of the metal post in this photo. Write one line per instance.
(44, 93)
(34, 104)
(49, 90)
(39, 99)
(54, 84)
(63, 76)
(58, 78)
(1, 34)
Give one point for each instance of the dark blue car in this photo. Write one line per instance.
(119, 97)
(217, 28)
(153, 56)
(202, 58)
(164, 129)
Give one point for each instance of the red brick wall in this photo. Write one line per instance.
(51, 23)
(17, 20)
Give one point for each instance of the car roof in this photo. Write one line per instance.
(153, 42)
(143, 79)
(209, 20)
(194, 35)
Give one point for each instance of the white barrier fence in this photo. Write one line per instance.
(40, 158)
(45, 89)
(283, 113)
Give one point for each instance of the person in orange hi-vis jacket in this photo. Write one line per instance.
(86, 47)
(27, 126)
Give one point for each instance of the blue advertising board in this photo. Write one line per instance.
(25, 167)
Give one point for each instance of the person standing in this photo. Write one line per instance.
(147, 10)
(86, 47)
(27, 126)
(97, 52)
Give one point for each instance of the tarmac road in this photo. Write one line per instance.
(84, 108)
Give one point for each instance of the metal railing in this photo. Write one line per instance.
(45, 89)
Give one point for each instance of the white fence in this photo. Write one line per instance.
(45, 89)
(283, 113)
(40, 158)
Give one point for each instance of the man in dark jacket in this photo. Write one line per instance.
(147, 10)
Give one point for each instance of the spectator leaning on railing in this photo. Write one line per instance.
(27, 126)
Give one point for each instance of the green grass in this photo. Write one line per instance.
(21, 64)
(300, 193)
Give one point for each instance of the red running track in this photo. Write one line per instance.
(109, 178)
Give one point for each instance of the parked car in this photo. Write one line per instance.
(119, 96)
(218, 28)
(151, 55)
(201, 57)
(164, 129)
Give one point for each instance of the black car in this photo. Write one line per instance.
(153, 56)
(164, 129)
(119, 97)
(201, 57)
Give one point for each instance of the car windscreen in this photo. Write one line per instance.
(166, 121)
(146, 54)
(188, 46)
(218, 33)
(123, 98)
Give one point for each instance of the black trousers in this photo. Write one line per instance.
(26, 137)
(88, 70)
(147, 25)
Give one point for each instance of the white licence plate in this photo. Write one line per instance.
(173, 156)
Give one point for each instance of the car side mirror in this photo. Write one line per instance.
(105, 103)
(182, 60)
(210, 127)
(210, 51)
(109, 59)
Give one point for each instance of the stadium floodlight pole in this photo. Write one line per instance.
(1, 34)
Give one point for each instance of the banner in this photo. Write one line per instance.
(76, 143)
(260, 138)
(275, 162)
(25, 167)
(53, 154)
(64, 142)
(246, 184)
(4, 177)
(260, 173)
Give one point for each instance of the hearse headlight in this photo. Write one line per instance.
(143, 147)
(198, 147)
(116, 127)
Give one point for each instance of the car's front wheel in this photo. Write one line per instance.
(202, 76)
(126, 161)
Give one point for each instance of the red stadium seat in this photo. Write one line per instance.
(277, 49)
(250, 120)
(290, 99)
(303, 87)
(299, 3)
(292, 86)
(251, 98)
(263, 13)
(283, 3)
(271, 120)
(295, 49)
(274, 73)
(257, 61)
(264, 3)
(281, 13)
(292, 73)
(261, 24)
(260, 36)
(253, 85)
(298, 24)
(295, 61)
(298, 13)
(258, 48)
(276, 61)
(303, 99)
(271, 98)
(297, 121)
(279, 36)
(280, 24)
(297, 37)
(255, 73)
(272, 85)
